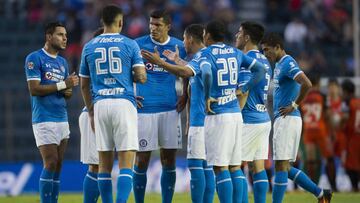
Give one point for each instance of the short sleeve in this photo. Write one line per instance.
(292, 69)
(136, 59)
(33, 67)
(244, 76)
(246, 61)
(84, 68)
(196, 63)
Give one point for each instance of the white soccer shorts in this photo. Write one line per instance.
(196, 143)
(286, 138)
(255, 141)
(88, 152)
(115, 125)
(223, 137)
(159, 130)
(50, 132)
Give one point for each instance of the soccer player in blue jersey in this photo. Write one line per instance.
(111, 62)
(257, 123)
(49, 85)
(223, 123)
(88, 152)
(202, 176)
(159, 120)
(290, 88)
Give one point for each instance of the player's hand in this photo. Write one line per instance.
(242, 97)
(139, 100)
(209, 101)
(181, 103)
(72, 81)
(172, 56)
(284, 111)
(153, 58)
(67, 93)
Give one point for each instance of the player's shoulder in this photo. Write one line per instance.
(34, 54)
(142, 39)
(175, 41)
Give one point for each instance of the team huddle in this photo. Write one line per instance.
(132, 107)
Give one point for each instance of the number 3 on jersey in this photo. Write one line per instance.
(108, 58)
(228, 65)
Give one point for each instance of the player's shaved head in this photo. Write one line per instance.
(217, 30)
(196, 31)
(109, 14)
(254, 30)
(164, 14)
(272, 39)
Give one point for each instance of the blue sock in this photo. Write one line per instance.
(56, 187)
(224, 186)
(280, 185)
(139, 181)
(197, 181)
(105, 187)
(304, 181)
(46, 186)
(237, 182)
(90, 188)
(168, 179)
(209, 183)
(260, 186)
(124, 185)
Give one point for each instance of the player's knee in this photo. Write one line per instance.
(51, 164)
(142, 160)
(282, 166)
(168, 158)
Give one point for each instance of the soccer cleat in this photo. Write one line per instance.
(326, 198)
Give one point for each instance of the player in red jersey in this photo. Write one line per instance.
(316, 134)
(352, 131)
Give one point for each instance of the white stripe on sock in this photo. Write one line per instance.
(125, 175)
(225, 180)
(321, 194)
(92, 178)
(208, 169)
(138, 173)
(241, 177)
(47, 180)
(103, 178)
(260, 181)
(280, 183)
(297, 174)
(196, 168)
(57, 181)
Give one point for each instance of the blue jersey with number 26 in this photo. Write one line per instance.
(255, 110)
(108, 60)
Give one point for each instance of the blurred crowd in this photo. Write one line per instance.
(314, 30)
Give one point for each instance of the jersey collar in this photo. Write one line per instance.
(48, 54)
(105, 34)
(158, 43)
(282, 58)
(254, 50)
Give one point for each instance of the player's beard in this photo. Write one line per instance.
(58, 47)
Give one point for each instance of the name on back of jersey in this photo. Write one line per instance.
(229, 95)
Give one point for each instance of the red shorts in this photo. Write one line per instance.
(339, 144)
(321, 140)
(353, 153)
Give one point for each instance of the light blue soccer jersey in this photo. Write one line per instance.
(255, 110)
(108, 60)
(48, 69)
(159, 90)
(225, 62)
(286, 89)
(197, 96)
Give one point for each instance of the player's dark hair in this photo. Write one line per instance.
(50, 27)
(196, 31)
(333, 81)
(348, 86)
(254, 30)
(314, 79)
(109, 13)
(98, 32)
(217, 30)
(272, 39)
(164, 14)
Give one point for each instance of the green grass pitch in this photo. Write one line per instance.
(291, 197)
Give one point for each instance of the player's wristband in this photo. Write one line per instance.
(294, 105)
(61, 85)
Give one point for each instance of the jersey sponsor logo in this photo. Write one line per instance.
(149, 66)
(109, 81)
(143, 143)
(30, 65)
(111, 91)
(54, 76)
(230, 95)
(154, 67)
(108, 40)
(217, 51)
